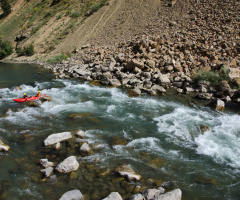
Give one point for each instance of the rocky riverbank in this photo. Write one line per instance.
(154, 64)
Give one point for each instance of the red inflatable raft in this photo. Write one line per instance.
(28, 98)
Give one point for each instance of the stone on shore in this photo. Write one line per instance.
(72, 195)
(57, 137)
(4, 147)
(172, 195)
(68, 165)
(126, 171)
(113, 196)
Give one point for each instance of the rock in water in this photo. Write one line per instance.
(3, 147)
(47, 172)
(125, 170)
(151, 193)
(45, 163)
(68, 165)
(72, 195)
(113, 196)
(47, 98)
(57, 137)
(137, 196)
(220, 105)
(32, 104)
(172, 195)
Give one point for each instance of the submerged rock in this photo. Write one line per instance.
(32, 104)
(113, 196)
(57, 137)
(126, 171)
(137, 196)
(46, 98)
(204, 128)
(68, 165)
(72, 195)
(4, 147)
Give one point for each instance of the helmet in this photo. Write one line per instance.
(39, 91)
(24, 94)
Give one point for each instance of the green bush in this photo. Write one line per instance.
(75, 14)
(57, 59)
(26, 51)
(6, 7)
(214, 77)
(5, 49)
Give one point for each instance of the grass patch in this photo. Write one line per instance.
(59, 58)
(75, 14)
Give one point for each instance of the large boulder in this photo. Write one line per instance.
(126, 171)
(57, 137)
(68, 165)
(113, 196)
(72, 195)
(164, 81)
(3, 147)
(223, 88)
(172, 195)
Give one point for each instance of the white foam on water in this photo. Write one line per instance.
(111, 108)
(222, 142)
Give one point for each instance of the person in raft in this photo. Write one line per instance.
(38, 94)
(25, 95)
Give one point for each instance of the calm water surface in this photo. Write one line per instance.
(163, 135)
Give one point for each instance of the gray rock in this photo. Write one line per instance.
(33, 104)
(85, 148)
(206, 96)
(113, 196)
(220, 105)
(164, 80)
(45, 163)
(137, 196)
(158, 88)
(115, 82)
(57, 137)
(81, 134)
(172, 195)
(68, 165)
(107, 75)
(151, 193)
(72, 195)
(47, 172)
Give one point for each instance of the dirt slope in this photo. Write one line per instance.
(123, 19)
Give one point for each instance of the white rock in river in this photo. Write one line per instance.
(3, 147)
(47, 172)
(151, 193)
(137, 196)
(57, 137)
(113, 196)
(68, 165)
(172, 195)
(81, 134)
(125, 170)
(45, 163)
(72, 195)
(85, 148)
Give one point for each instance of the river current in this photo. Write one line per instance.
(162, 140)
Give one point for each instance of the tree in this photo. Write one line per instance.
(6, 7)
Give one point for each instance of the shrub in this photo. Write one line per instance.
(26, 51)
(5, 49)
(6, 7)
(213, 77)
(57, 59)
(75, 14)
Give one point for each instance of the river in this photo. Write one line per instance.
(161, 138)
